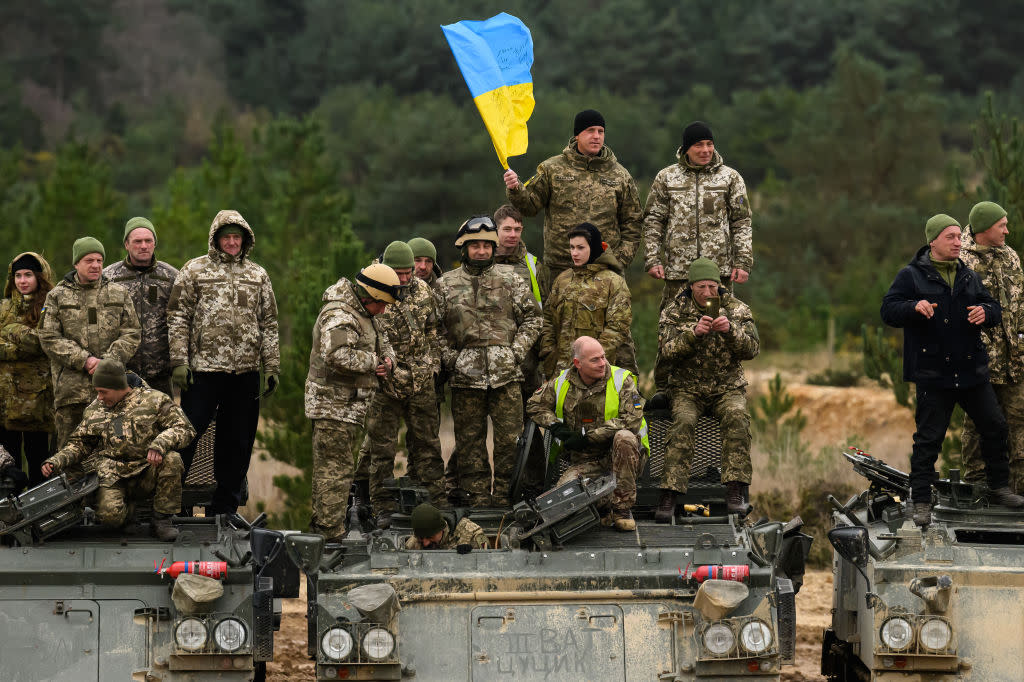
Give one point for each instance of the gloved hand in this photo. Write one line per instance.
(577, 441)
(181, 377)
(272, 381)
(561, 431)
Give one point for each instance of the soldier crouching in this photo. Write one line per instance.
(431, 531)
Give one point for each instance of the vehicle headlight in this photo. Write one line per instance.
(378, 644)
(336, 644)
(897, 634)
(190, 634)
(935, 634)
(229, 634)
(756, 636)
(718, 639)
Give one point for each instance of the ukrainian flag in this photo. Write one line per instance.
(495, 57)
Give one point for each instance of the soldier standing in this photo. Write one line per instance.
(222, 321)
(411, 327)
(583, 183)
(131, 433)
(85, 318)
(591, 424)
(149, 282)
(348, 360)
(703, 349)
(431, 531)
(490, 320)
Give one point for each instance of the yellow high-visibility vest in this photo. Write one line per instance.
(616, 378)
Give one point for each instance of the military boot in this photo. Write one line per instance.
(666, 506)
(160, 527)
(735, 502)
(620, 520)
(1006, 497)
(922, 513)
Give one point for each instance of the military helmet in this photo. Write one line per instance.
(479, 227)
(380, 283)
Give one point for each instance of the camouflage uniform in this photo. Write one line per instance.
(116, 440)
(411, 327)
(82, 320)
(573, 188)
(150, 289)
(491, 321)
(705, 374)
(590, 300)
(466, 533)
(584, 410)
(1001, 273)
(347, 348)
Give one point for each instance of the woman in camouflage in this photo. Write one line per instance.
(26, 392)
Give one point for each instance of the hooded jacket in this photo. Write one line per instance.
(697, 211)
(150, 288)
(573, 188)
(26, 389)
(222, 314)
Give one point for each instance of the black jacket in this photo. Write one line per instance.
(945, 351)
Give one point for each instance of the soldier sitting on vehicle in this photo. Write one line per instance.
(129, 434)
(590, 423)
(431, 531)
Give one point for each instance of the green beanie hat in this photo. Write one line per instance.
(137, 222)
(984, 215)
(398, 255)
(84, 247)
(109, 374)
(422, 248)
(936, 224)
(426, 521)
(703, 269)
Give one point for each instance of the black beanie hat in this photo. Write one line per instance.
(26, 262)
(593, 237)
(694, 133)
(585, 119)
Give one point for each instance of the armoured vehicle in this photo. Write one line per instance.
(939, 603)
(561, 597)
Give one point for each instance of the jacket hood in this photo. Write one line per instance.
(344, 291)
(10, 291)
(713, 165)
(605, 159)
(231, 218)
(606, 261)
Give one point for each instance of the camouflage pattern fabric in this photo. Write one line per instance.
(517, 261)
(1011, 400)
(6, 460)
(572, 188)
(222, 314)
(79, 321)
(730, 408)
(625, 464)
(697, 211)
(590, 300)
(491, 321)
(466, 533)
(470, 409)
(150, 290)
(333, 444)
(412, 329)
(66, 418)
(162, 484)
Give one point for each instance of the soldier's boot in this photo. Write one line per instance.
(160, 527)
(1006, 497)
(922, 513)
(666, 506)
(735, 502)
(361, 499)
(620, 521)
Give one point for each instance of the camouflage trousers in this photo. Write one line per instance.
(423, 447)
(1011, 400)
(333, 468)
(161, 483)
(626, 465)
(669, 292)
(470, 409)
(730, 409)
(67, 418)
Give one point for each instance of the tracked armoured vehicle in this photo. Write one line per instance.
(559, 596)
(940, 603)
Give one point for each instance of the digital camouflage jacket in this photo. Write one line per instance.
(572, 188)
(517, 260)
(150, 289)
(697, 211)
(466, 533)
(222, 314)
(706, 365)
(412, 329)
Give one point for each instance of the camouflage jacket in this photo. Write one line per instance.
(490, 322)
(697, 211)
(26, 389)
(711, 364)
(6, 460)
(347, 347)
(79, 321)
(222, 314)
(591, 300)
(118, 438)
(466, 533)
(573, 188)
(1000, 271)
(520, 260)
(150, 289)
(584, 410)
(412, 329)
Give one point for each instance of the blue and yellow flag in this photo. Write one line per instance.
(495, 57)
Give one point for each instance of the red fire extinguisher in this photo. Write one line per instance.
(211, 569)
(737, 573)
